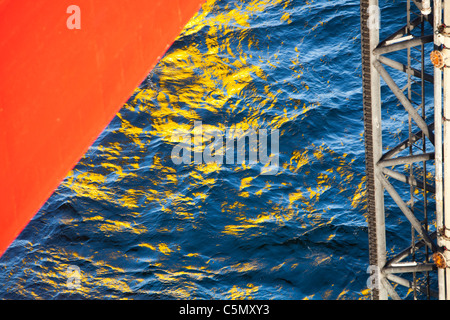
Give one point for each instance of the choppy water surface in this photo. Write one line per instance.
(141, 227)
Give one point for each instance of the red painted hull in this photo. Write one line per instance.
(61, 87)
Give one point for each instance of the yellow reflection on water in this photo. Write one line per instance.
(216, 79)
(241, 293)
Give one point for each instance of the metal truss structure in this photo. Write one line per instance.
(410, 173)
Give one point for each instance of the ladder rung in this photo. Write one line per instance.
(418, 83)
(420, 95)
(416, 59)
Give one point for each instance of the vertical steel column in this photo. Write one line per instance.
(373, 143)
(424, 144)
(437, 17)
(446, 150)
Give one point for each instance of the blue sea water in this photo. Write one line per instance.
(139, 226)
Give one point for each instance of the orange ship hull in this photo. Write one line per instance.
(64, 75)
